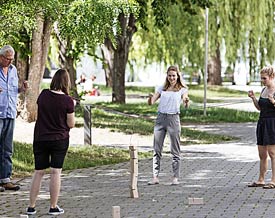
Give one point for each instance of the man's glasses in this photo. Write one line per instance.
(8, 59)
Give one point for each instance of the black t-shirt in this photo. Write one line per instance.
(51, 121)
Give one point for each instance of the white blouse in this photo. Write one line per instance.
(170, 100)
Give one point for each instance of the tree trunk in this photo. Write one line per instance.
(214, 69)
(39, 47)
(67, 61)
(252, 51)
(119, 55)
(22, 65)
(22, 62)
(107, 51)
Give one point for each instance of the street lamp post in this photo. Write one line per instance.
(205, 61)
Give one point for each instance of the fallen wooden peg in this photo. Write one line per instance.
(195, 201)
(116, 212)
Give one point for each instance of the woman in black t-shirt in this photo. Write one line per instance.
(55, 118)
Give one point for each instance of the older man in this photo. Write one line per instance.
(8, 99)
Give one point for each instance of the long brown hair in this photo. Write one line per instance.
(180, 84)
(61, 81)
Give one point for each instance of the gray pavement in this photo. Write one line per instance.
(216, 173)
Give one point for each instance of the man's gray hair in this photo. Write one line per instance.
(5, 49)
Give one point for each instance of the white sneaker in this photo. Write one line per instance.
(154, 181)
(175, 181)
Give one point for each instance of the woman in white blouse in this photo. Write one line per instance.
(171, 95)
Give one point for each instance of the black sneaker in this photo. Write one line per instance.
(2, 189)
(30, 211)
(56, 211)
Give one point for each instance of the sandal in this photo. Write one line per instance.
(269, 186)
(255, 184)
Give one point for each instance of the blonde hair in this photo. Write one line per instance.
(269, 70)
(180, 84)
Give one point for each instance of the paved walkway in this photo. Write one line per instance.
(217, 173)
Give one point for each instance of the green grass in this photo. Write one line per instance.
(196, 93)
(194, 90)
(91, 156)
(145, 126)
(77, 157)
(128, 90)
(191, 136)
(191, 115)
(217, 115)
(23, 162)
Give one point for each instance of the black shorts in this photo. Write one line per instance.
(50, 153)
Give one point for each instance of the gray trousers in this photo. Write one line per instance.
(167, 123)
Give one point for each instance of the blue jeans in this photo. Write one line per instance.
(6, 149)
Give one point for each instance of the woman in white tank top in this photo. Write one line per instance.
(171, 95)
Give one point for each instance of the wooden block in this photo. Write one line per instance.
(116, 211)
(134, 166)
(134, 193)
(195, 201)
(133, 181)
(133, 152)
(134, 171)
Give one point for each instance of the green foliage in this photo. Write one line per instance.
(13, 28)
(90, 22)
(18, 32)
(179, 27)
(233, 22)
